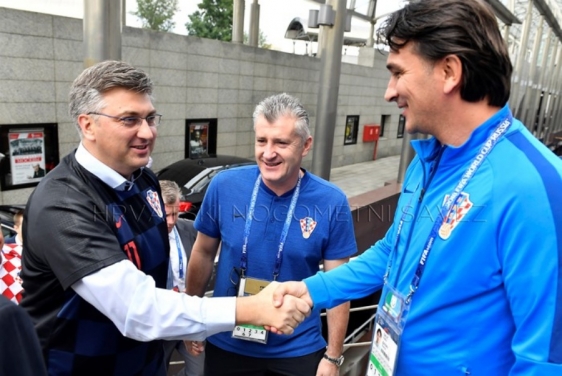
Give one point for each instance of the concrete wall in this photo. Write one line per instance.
(195, 78)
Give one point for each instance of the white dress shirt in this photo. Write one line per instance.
(131, 300)
(177, 253)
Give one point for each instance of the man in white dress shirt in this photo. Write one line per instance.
(96, 254)
(182, 235)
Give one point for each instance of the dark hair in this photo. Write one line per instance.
(465, 28)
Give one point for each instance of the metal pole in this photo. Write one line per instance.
(326, 109)
(547, 73)
(238, 22)
(518, 69)
(531, 76)
(540, 88)
(102, 31)
(255, 24)
(555, 95)
(406, 156)
(555, 123)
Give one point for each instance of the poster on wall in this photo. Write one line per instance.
(351, 127)
(198, 140)
(27, 151)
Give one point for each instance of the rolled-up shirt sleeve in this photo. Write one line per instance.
(141, 311)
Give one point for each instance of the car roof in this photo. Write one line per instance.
(7, 212)
(183, 171)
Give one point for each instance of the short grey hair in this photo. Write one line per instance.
(88, 88)
(170, 192)
(276, 106)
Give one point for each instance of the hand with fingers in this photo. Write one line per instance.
(286, 291)
(260, 310)
(195, 348)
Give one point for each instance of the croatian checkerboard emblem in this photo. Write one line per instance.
(154, 201)
(307, 226)
(458, 211)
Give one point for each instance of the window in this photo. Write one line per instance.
(30, 151)
(401, 125)
(351, 127)
(200, 138)
(384, 119)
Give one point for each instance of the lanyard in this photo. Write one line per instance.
(180, 253)
(248, 225)
(450, 202)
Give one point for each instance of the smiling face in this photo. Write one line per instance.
(415, 87)
(279, 152)
(123, 149)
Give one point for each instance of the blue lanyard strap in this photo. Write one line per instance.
(453, 200)
(284, 232)
(180, 253)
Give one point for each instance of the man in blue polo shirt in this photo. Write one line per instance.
(274, 221)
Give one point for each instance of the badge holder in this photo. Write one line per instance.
(387, 332)
(249, 287)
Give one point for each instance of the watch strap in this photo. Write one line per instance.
(337, 361)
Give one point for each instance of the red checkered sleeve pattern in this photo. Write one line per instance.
(10, 281)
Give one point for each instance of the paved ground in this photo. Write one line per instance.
(366, 176)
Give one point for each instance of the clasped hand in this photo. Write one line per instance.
(290, 297)
(281, 315)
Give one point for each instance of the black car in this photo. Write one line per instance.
(194, 175)
(7, 218)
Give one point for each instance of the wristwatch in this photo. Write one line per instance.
(337, 361)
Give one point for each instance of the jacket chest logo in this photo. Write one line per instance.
(458, 211)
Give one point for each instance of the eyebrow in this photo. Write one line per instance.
(392, 66)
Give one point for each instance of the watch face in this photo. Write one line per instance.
(340, 361)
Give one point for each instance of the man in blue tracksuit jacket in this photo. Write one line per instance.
(484, 279)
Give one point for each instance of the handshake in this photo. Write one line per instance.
(280, 307)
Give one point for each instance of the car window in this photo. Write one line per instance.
(200, 182)
(8, 231)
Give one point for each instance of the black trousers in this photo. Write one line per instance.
(224, 363)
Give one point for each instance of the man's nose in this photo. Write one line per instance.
(146, 131)
(390, 93)
(269, 151)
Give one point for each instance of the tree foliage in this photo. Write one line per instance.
(213, 20)
(156, 14)
(262, 40)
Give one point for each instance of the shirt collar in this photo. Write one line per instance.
(106, 174)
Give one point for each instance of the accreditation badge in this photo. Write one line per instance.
(389, 325)
(249, 287)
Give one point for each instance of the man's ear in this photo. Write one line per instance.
(307, 146)
(451, 68)
(87, 126)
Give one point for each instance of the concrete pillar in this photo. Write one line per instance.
(254, 24)
(326, 109)
(371, 38)
(238, 21)
(123, 13)
(102, 31)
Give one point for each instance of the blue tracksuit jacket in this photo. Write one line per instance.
(490, 299)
